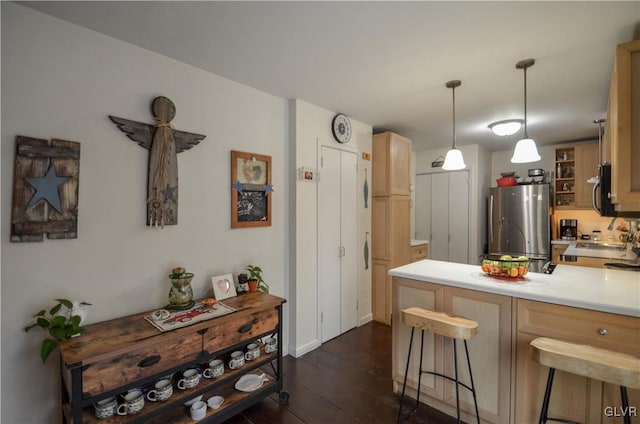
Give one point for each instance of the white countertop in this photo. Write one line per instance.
(415, 242)
(605, 290)
(581, 248)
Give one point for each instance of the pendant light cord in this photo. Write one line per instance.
(526, 135)
(453, 89)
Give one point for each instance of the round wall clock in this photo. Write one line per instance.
(341, 127)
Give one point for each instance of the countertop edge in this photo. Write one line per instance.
(537, 287)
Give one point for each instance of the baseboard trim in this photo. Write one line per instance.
(365, 319)
(297, 352)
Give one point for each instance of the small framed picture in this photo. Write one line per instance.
(223, 286)
(307, 174)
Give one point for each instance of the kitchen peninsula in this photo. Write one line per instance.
(599, 307)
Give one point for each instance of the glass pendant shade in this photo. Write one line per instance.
(525, 152)
(453, 161)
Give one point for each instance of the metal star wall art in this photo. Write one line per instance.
(47, 189)
(164, 143)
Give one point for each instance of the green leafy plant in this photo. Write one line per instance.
(60, 323)
(255, 273)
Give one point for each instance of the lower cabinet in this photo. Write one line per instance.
(419, 252)
(558, 249)
(489, 350)
(573, 398)
(115, 356)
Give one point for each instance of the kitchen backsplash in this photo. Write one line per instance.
(588, 221)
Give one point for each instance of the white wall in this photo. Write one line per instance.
(311, 128)
(61, 80)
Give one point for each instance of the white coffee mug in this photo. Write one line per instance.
(161, 391)
(190, 379)
(237, 360)
(198, 410)
(215, 370)
(270, 344)
(133, 403)
(253, 352)
(106, 408)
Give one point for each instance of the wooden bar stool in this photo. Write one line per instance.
(443, 324)
(587, 361)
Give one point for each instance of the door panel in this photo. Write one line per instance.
(329, 243)
(439, 241)
(459, 217)
(349, 240)
(423, 207)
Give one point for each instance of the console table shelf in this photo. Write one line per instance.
(115, 356)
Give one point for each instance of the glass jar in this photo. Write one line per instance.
(181, 293)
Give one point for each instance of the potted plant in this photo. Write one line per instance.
(60, 323)
(256, 283)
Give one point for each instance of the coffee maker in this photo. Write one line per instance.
(569, 229)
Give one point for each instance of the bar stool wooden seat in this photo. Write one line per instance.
(599, 364)
(446, 325)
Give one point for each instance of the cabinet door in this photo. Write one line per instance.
(391, 164)
(381, 285)
(489, 352)
(586, 165)
(624, 125)
(408, 293)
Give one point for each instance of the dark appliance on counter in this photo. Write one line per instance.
(519, 223)
(569, 229)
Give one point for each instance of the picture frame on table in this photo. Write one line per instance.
(223, 286)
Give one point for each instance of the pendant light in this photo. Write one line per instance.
(526, 150)
(453, 161)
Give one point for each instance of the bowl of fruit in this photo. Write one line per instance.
(506, 267)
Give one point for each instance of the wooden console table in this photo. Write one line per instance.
(114, 356)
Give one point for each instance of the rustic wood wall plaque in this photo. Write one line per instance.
(45, 190)
(164, 143)
(251, 190)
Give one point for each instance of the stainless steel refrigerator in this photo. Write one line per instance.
(519, 223)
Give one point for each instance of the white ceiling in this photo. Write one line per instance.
(386, 63)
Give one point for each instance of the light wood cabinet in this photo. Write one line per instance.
(622, 129)
(558, 249)
(391, 219)
(419, 252)
(391, 165)
(574, 165)
(489, 350)
(573, 398)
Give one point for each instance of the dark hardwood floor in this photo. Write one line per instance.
(347, 380)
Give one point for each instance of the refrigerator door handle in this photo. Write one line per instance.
(491, 218)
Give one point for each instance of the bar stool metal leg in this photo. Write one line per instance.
(455, 367)
(406, 374)
(547, 394)
(473, 386)
(625, 405)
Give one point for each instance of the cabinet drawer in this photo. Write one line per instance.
(619, 333)
(139, 363)
(235, 330)
(418, 252)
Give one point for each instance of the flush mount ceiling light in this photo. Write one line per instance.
(526, 150)
(453, 161)
(506, 127)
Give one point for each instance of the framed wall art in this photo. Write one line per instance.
(251, 190)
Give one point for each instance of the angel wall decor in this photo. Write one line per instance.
(164, 143)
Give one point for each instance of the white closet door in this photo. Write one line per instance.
(422, 207)
(459, 217)
(439, 240)
(349, 239)
(329, 218)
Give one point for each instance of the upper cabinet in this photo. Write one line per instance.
(574, 166)
(622, 131)
(391, 166)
